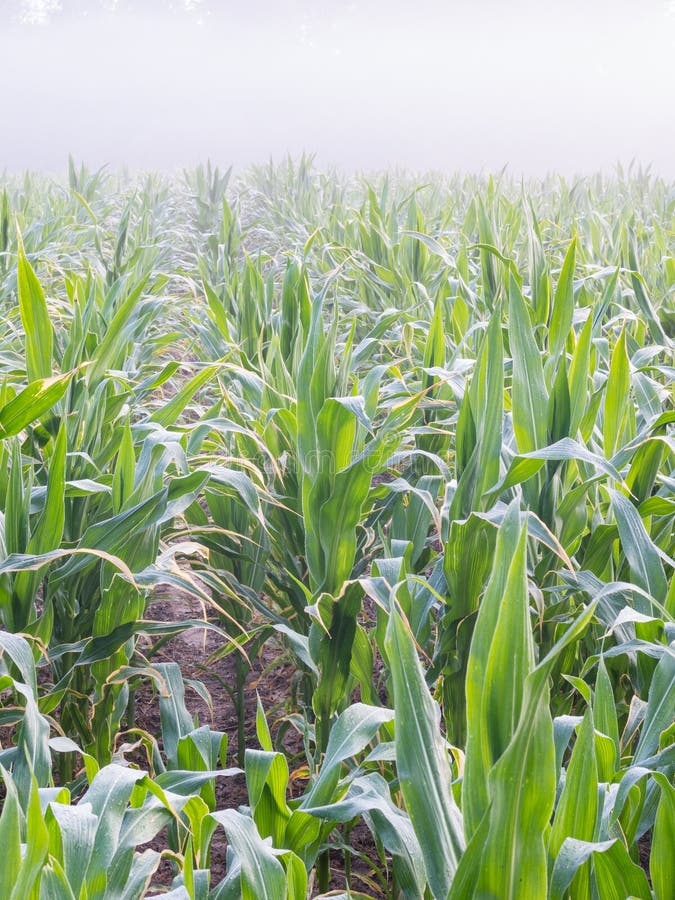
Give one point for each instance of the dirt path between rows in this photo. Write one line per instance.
(270, 678)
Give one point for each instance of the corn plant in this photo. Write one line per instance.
(421, 434)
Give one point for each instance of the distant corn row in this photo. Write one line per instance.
(419, 436)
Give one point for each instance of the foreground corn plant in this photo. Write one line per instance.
(421, 436)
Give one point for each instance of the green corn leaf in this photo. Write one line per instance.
(267, 781)
(604, 714)
(37, 845)
(125, 470)
(262, 876)
(10, 834)
(660, 712)
(529, 398)
(500, 644)
(511, 651)
(486, 398)
(434, 348)
(181, 893)
(526, 465)
(19, 651)
(618, 877)
(107, 798)
(331, 638)
(142, 824)
(176, 720)
(167, 415)
(32, 403)
(143, 867)
(202, 750)
(642, 556)
(643, 300)
(316, 382)
(369, 796)
(422, 762)
(562, 311)
(114, 334)
(188, 782)
(522, 788)
(559, 406)
(576, 811)
(579, 376)
(73, 831)
(615, 874)
(54, 883)
(35, 318)
(119, 533)
(354, 729)
(34, 759)
(507, 855)
(48, 532)
(261, 727)
(539, 270)
(617, 391)
(661, 865)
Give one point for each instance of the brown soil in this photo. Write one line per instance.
(645, 850)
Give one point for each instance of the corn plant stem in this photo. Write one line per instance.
(323, 871)
(66, 767)
(348, 858)
(241, 671)
(131, 709)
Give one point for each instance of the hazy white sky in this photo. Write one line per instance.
(567, 86)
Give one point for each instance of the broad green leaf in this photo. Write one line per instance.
(579, 376)
(48, 532)
(513, 861)
(37, 845)
(604, 714)
(54, 883)
(114, 334)
(642, 556)
(20, 653)
(125, 470)
(267, 782)
(262, 876)
(562, 310)
(575, 813)
(494, 682)
(10, 835)
(369, 796)
(35, 318)
(661, 865)
(618, 877)
(660, 712)
(485, 400)
(176, 720)
(107, 798)
(186, 782)
(73, 832)
(559, 407)
(143, 867)
(422, 762)
(354, 729)
(529, 398)
(616, 397)
(167, 415)
(32, 403)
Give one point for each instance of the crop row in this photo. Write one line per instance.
(415, 436)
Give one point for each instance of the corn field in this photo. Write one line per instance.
(412, 439)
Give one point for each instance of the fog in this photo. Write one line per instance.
(424, 85)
